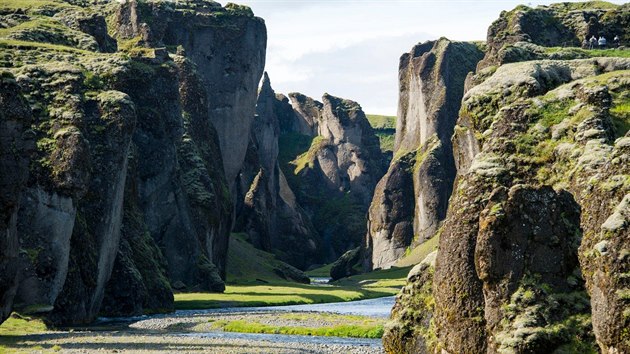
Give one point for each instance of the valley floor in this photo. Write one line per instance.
(324, 319)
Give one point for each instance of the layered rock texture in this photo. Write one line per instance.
(332, 173)
(412, 198)
(306, 162)
(127, 193)
(268, 211)
(533, 253)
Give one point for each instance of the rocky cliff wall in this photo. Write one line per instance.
(268, 211)
(127, 194)
(532, 253)
(557, 128)
(15, 149)
(558, 25)
(404, 214)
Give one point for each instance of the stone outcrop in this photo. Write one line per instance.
(235, 53)
(15, 150)
(517, 146)
(127, 194)
(528, 237)
(267, 209)
(334, 172)
(533, 251)
(412, 198)
(308, 113)
(348, 264)
(556, 25)
(410, 330)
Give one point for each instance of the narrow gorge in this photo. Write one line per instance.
(148, 168)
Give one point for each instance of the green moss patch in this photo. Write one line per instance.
(355, 331)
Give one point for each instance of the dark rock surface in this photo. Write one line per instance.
(348, 264)
(410, 330)
(431, 79)
(332, 174)
(15, 150)
(268, 212)
(127, 192)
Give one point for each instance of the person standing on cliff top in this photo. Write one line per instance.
(592, 42)
(616, 41)
(602, 42)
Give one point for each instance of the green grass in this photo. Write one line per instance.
(19, 326)
(378, 279)
(306, 159)
(355, 331)
(620, 114)
(12, 330)
(592, 53)
(279, 294)
(419, 253)
(248, 265)
(323, 271)
(16, 44)
(386, 140)
(29, 5)
(385, 129)
(381, 122)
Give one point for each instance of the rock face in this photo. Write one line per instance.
(307, 115)
(541, 154)
(333, 173)
(504, 159)
(556, 25)
(409, 330)
(412, 198)
(269, 213)
(527, 237)
(15, 149)
(236, 53)
(127, 190)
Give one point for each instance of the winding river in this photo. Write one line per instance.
(171, 327)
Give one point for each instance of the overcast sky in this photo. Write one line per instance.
(350, 48)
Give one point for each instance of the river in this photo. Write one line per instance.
(180, 332)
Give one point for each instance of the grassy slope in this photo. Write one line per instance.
(393, 277)
(419, 253)
(248, 265)
(323, 271)
(381, 122)
(345, 326)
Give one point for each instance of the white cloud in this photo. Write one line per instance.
(351, 47)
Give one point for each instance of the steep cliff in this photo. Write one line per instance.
(332, 173)
(545, 134)
(533, 251)
(227, 43)
(127, 180)
(15, 149)
(268, 212)
(412, 198)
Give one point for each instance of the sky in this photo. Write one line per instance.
(351, 48)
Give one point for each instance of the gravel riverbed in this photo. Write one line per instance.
(195, 332)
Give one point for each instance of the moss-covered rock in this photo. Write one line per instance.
(412, 198)
(540, 133)
(556, 25)
(410, 329)
(15, 147)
